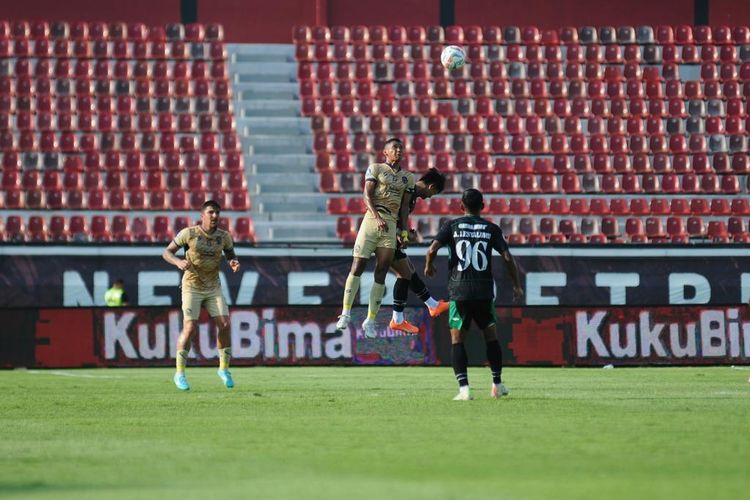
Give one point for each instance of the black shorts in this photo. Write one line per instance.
(463, 312)
(400, 254)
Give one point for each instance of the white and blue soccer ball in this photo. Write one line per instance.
(453, 57)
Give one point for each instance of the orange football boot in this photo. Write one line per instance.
(404, 326)
(439, 309)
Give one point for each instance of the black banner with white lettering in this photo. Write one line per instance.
(529, 336)
(568, 278)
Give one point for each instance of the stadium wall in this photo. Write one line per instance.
(143, 11)
(529, 336)
(69, 276)
(545, 14)
(260, 21)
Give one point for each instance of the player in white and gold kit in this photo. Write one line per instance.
(387, 192)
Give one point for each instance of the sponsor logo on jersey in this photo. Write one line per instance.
(472, 227)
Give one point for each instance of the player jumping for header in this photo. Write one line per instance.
(386, 194)
(470, 240)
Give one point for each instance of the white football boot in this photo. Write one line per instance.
(498, 391)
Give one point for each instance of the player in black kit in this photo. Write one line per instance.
(470, 240)
(430, 184)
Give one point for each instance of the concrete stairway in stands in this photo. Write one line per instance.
(277, 146)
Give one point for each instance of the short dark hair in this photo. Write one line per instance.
(392, 139)
(211, 204)
(433, 177)
(119, 281)
(473, 200)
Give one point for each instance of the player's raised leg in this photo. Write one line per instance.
(435, 307)
(383, 259)
(404, 269)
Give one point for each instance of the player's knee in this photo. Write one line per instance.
(379, 274)
(358, 267)
(190, 328)
(222, 323)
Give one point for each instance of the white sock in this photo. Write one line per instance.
(398, 316)
(346, 311)
(431, 303)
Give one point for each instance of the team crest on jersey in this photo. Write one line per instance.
(404, 179)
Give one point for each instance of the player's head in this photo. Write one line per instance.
(432, 183)
(210, 212)
(472, 201)
(119, 283)
(393, 149)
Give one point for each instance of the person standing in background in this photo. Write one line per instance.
(116, 296)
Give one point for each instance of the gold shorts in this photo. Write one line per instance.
(212, 300)
(369, 238)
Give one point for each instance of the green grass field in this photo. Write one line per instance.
(364, 433)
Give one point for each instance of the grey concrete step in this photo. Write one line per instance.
(266, 72)
(283, 183)
(266, 90)
(256, 169)
(250, 68)
(281, 107)
(300, 160)
(266, 78)
(274, 140)
(316, 199)
(260, 52)
(311, 230)
(278, 208)
(274, 125)
(304, 216)
(271, 148)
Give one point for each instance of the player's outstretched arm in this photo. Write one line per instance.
(170, 255)
(510, 263)
(429, 263)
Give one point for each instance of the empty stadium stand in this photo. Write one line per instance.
(106, 118)
(599, 135)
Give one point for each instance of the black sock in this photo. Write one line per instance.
(460, 361)
(400, 294)
(419, 288)
(495, 358)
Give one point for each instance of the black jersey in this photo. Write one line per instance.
(412, 200)
(470, 241)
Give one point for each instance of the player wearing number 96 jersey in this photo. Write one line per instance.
(470, 240)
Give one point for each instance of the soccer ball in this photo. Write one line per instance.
(452, 57)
